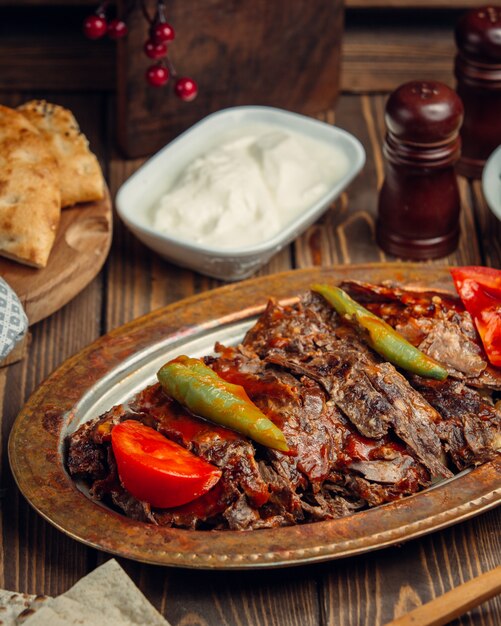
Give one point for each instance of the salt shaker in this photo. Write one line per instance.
(478, 73)
(419, 204)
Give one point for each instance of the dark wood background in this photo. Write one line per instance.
(42, 54)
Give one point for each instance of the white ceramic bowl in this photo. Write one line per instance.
(491, 182)
(137, 196)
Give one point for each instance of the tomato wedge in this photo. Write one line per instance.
(156, 470)
(480, 290)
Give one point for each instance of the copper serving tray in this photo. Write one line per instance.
(122, 362)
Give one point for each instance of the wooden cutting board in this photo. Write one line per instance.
(82, 244)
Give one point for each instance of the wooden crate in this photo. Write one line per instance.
(280, 53)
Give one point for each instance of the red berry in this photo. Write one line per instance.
(95, 26)
(155, 50)
(157, 75)
(117, 29)
(186, 89)
(163, 32)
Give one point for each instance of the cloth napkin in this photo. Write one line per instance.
(13, 320)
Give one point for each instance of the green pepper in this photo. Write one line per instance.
(205, 393)
(382, 338)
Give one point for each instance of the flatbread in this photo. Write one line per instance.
(110, 591)
(16, 608)
(63, 611)
(105, 597)
(30, 200)
(80, 176)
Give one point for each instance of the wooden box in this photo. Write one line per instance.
(283, 53)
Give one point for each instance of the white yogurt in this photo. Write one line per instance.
(245, 190)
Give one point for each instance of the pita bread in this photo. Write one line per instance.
(16, 608)
(112, 593)
(63, 611)
(30, 201)
(105, 597)
(80, 175)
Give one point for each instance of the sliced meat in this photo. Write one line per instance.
(413, 419)
(205, 512)
(436, 323)
(326, 446)
(390, 472)
(471, 425)
(297, 407)
(87, 457)
(372, 394)
(220, 446)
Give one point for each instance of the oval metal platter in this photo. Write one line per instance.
(119, 364)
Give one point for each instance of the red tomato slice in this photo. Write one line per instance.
(156, 470)
(480, 290)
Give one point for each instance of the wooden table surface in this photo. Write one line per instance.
(367, 590)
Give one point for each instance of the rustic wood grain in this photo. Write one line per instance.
(46, 3)
(414, 4)
(288, 58)
(42, 46)
(454, 603)
(368, 590)
(404, 52)
(352, 4)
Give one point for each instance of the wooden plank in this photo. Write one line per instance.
(381, 49)
(44, 48)
(72, 65)
(350, 4)
(402, 578)
(454, 603)
(297, 67)
(381, 59)
(48, 3)
(413, 4)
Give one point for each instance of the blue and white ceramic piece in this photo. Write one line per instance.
(13, 320)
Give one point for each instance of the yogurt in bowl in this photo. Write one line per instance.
(238, 186)
(250, 186)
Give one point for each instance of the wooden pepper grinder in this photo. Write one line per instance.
(418, 213)
(478, 73)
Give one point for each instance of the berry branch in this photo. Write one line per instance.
(156, 47)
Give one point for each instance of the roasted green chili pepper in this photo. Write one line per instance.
(381, 336)
(205, 393)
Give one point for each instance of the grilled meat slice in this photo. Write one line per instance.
(205, 512)
(218, 445)
(372, 394)
(87, 456)
(296, 407)
(471, 425)
(326, 446)
(435, 322)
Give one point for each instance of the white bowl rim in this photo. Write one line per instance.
(491, 182)
(275, 242)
